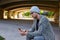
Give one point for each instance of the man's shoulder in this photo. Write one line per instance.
(42, 17)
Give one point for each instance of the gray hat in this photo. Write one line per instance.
(34, 9)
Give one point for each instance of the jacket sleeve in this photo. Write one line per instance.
(42, 26)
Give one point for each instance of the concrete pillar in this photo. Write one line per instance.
(1, 13)
(12, 15)
(56, 16)
(59, 14)
(15, 15)
(9, 14)
(5, 14)
(59, 17)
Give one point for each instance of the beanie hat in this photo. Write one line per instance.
(34, 9)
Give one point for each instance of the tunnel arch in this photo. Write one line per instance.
(50, 5)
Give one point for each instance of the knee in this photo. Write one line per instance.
(39, 38)
(29, 36)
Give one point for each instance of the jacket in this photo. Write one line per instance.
(44, 29)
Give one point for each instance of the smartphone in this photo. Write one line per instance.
(19, 28)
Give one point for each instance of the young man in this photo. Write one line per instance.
(41, 28)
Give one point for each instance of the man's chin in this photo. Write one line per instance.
(35, 18)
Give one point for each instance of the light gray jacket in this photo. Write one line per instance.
(44, 29)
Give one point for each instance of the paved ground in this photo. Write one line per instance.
(9, 29)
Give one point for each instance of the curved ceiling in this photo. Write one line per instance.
(50, 5)
(9, 1)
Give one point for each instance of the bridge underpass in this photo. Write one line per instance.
(9, 27)
(42, 5)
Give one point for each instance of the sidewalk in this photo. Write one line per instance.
(9, 30)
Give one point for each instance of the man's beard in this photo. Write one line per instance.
(35, 17)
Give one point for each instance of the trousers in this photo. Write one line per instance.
(30, 37)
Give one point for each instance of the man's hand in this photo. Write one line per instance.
(23, 33)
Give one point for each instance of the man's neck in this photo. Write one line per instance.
(38, 17)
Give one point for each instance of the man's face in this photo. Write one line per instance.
(34, 15)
